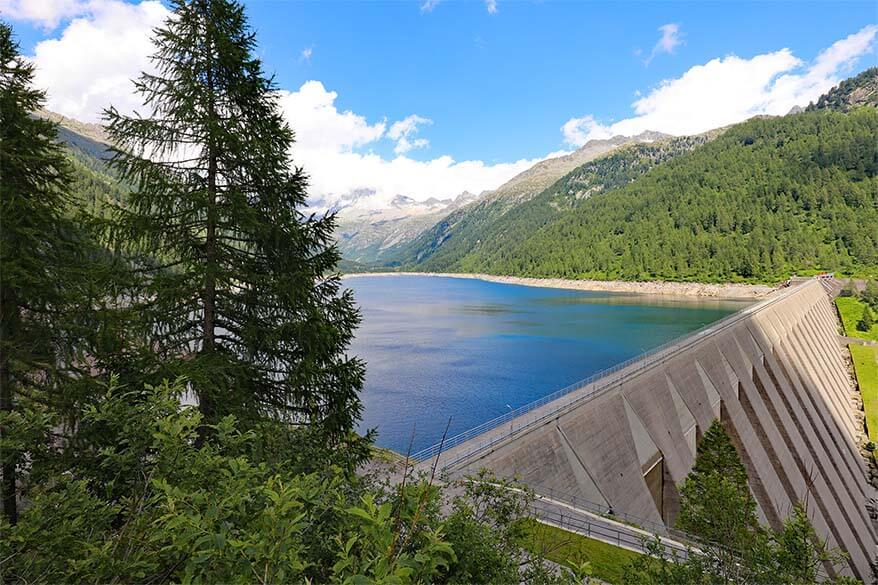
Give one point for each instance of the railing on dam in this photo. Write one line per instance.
(609, 534)
(674, 543)
(531, 414)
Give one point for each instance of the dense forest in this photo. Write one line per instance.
(767, 198)
(496, 223)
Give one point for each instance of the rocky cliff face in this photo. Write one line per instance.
(851, 93)
(368, 235)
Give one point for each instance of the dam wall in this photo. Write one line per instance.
(774, 374)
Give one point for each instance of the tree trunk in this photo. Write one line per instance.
(7, 405)
(208, 344)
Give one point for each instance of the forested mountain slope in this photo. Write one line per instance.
(542, 175)
(594, 178)
(87, 150)
(767, 198)
(861, 90)
(530, 200)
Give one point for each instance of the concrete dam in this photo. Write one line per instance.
(774, 373)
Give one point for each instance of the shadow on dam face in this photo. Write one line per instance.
(773, 373)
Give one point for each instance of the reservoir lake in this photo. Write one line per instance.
(439, 348)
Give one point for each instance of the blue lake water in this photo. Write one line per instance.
(469, 351)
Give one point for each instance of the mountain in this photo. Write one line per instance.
(766, 198)
(540, 176)
(753, 202)
(88, 150)
(443, 245)
(851, 93)
(368, 235)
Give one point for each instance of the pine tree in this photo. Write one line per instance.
(239, 294)
(45, 264)
(715, 500)
(866, 320)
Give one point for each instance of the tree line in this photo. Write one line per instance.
(766, 199)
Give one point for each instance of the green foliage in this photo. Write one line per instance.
(236, 289)
(53, 281)
(716, 506)
(134, 495)
(767, 198)
(851, 310)
(865, 360)
(577, 552)
(715, 500)
(851, 93)
(865, 322)
(870, 294)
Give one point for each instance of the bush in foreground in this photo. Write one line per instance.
(133, 498)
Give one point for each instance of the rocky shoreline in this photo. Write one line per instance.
(687, 289)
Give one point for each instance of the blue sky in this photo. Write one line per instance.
(428, 99)
(499, 86)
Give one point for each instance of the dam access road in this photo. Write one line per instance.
(773, 373)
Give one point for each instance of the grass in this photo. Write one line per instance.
(608, 562)
(851, 311)
(386, 455)
(866, 366)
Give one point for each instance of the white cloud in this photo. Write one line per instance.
(319, 126)
(328, 143)
(306, 54)
(429, 5)
(578, 131)
(729, 90)
(92, 63)
(45, 13)
(669, 41)
(403, 132)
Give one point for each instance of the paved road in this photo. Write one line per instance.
(856, 340)
(600, 528)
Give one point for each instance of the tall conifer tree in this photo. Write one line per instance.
(44, 264)
(239, 294)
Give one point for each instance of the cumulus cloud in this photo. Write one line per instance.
(578, 131)
(403, 132)
(45, 13)
(330, 144)
(320, 126)
(731, 89)
(668, 42)
(92, 63)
